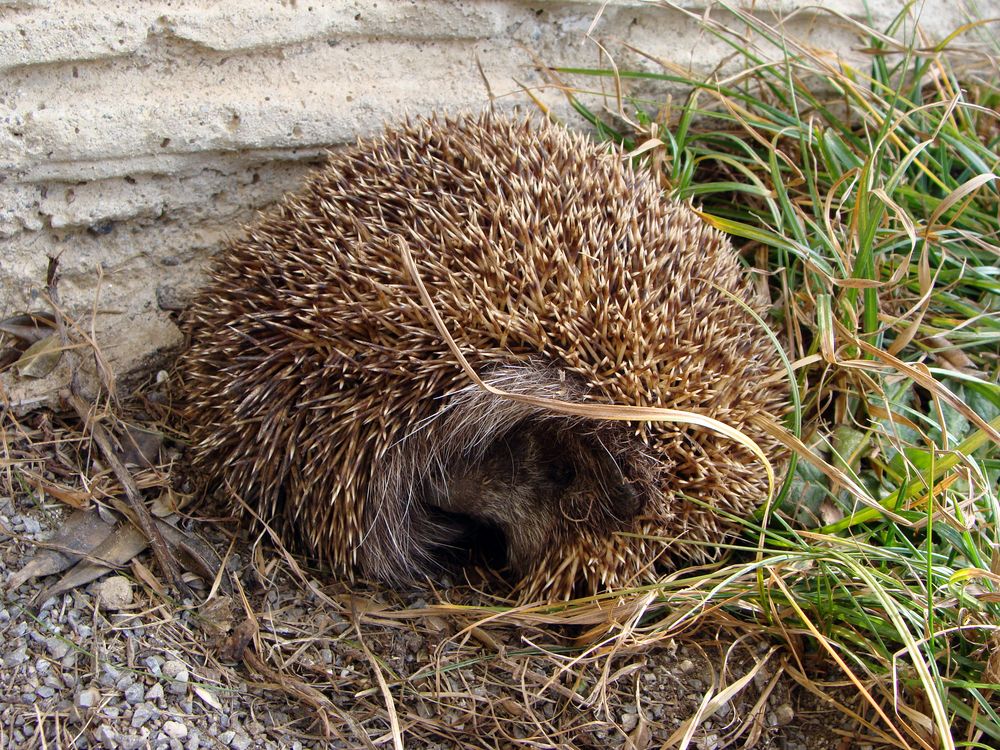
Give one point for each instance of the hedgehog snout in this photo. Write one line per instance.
(535, 487)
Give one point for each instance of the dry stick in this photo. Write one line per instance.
(142, 514)
(52, 289)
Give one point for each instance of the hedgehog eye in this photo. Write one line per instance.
(561, 473)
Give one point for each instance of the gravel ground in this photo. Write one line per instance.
(115, 664)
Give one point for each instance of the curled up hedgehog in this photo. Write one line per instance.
(412, 359)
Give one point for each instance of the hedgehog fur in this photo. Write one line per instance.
(322, 396)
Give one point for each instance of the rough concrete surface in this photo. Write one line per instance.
(135, 136)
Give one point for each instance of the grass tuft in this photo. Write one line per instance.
(865, 201)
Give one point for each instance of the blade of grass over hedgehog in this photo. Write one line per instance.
(591, 411)
(864, 191)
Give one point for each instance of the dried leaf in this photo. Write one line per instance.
(234, 646)
(191, 552)
(139, 446)
(8, 356)
(82, 532)
(165, 504)
(40, 358)
(640, 737)
(29, 327)
(216, 615)
(208, 696)
(145, 575)
(115, 550)
(71, 497)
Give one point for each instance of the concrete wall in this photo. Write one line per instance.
(135, 136)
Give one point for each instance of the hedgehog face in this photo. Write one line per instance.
(537, 487)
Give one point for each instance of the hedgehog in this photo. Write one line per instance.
(371, 366)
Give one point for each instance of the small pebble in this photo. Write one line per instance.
(178, 674)
(180, 684)
(173, 667)
(240, 742)
(143, 713)
(686, 666)
(723, 710)
(106, 736)
(783, 714)
(87, 698)
(114, 593)
(109, 676)
(227, 737)
(155, 693)
(629, 721)
(16, 657)
(153, 665)
(135, 693)
(175, 729)
(31, 525)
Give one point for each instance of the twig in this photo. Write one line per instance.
(142, 515)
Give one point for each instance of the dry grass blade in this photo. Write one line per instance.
(837, 475)
(862, 690)
(390, 704)
(918, 375)
(710, 703)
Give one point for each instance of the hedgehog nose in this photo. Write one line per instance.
(627, 502)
